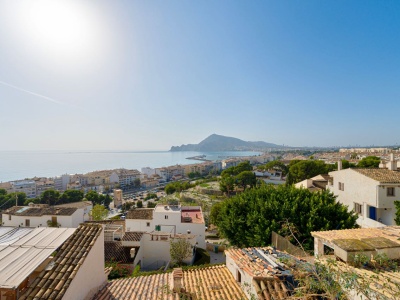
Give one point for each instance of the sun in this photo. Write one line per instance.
(67, 30)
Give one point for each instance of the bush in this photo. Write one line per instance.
(202, 257)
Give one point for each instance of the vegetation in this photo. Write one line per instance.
(192, 175)
(8, 200)
(151, 204)
(151, 196)
(240, 176)
(202, 257)
(99, 212)
(97, 198)
(118, 270)
(300, 170)
(177, 186)
(397, 218)
(248, 219)
(369, 162)
(180, 249)
(275, 165)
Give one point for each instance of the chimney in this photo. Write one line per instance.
(392, 164)
(177, 280)
(339, 165)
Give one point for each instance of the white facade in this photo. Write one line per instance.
(139, 225)
(371, 199)
(241, 277)
(70, 221)
(90, 276)
(25, 186)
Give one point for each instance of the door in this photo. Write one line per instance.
(372, 212)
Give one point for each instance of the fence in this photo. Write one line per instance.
(282, 244)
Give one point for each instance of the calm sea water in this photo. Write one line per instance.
(26, 164)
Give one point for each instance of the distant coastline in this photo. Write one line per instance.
(15, 165)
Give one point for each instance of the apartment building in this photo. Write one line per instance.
(25, 186)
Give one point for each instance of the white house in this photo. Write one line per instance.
(174, 219)
(369, 192)
(84, 208)
(51, 263)
(43, 216)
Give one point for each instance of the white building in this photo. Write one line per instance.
(43, 216)
(25, 186)
(174, 219)
(369, 192)
(84, 208)
(61, 182)
(41, 263)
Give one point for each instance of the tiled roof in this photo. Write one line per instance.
(214, 282)
(53, 283)
(208, 283)
(40, 211)
(271, 288)
(132, 236)
(138, 288)
(115, 252)
(391, 233)
(140, 213)
(81, 204)
(381, 175)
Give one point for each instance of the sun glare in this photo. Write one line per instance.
(59, 30)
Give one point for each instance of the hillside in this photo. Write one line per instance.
(217, 142)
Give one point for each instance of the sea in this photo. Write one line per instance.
(15, 165)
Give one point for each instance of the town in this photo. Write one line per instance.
(177, 232)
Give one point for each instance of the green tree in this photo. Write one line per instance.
(99, 212)
(276, 165)
(151, 204)
(180, 249)
(70, 196)
(305, 169)
(397, 218)
(8, 200)
(136, 182)
(246, 179)
(139, 204)
(93, 196)
(192, 175)
(248, 219)
(150, 196)
(215, 213)
(369, 162)
(50, 197)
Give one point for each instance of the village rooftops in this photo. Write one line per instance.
(391, 233)
(80, 204)
(381, 175)
(52, 283)
(191, 214)
(23, 251)
(208, 283)
(40, 211)
(140, 214)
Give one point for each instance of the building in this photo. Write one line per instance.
(43, 216)
(43, 184)
(315, 184)
(51, 263)
(174, 219)
(61, 182)
(84, 208)
(207, 283)
(117, 197)
(369, 192)
(25, 186)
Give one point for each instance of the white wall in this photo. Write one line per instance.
(72, 221)
(139, 225)
(90, 277)
(246, 280)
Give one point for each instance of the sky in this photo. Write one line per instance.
(148, 75)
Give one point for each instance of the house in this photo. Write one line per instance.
(316, 183)
(84, 208)
(364, 255)
(41, 215)
(369, 192)
(169, 218)
(206, 283)
(51, 263)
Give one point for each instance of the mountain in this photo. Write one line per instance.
(217, 142)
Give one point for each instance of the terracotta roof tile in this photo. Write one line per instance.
(47, 284)
(40, 211)
(140, 213)
(381, 175)
(132, 236)
(114, 251)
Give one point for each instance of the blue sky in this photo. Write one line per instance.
(146, 75)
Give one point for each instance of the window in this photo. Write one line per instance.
(148, 224)
(390, 191)
(358, 208)
(341, 186)
(166, 217)
(27, 223)
(9, 217)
